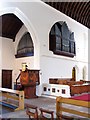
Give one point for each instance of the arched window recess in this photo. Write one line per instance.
(25, 46)
(61, 40)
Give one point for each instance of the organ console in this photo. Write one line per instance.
(28, 80)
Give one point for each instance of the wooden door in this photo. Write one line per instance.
(7, 79)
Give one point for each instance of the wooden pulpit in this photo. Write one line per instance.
(29, 79)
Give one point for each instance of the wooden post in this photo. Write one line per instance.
(21, 101)
(58, 105)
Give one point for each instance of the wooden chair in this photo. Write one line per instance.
(32, 111)
(43, 117)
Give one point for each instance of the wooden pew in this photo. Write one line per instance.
(63, 81)
(60, 109)
(79, 89)
(15, 95)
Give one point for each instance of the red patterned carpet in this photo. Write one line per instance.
(85, 97)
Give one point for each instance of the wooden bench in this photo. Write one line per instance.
(60, 108)
(14, 95)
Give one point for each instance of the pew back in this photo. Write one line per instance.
(60, 108)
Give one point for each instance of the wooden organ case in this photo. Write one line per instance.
(28, 80)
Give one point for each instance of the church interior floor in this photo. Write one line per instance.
(40, 102)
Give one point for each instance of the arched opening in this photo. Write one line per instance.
(84, 71)
(12, 38)
(74, 74)
(30, 28)
(77, 72)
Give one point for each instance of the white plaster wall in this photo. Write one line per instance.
(89, 71)
(0, 61)
(38, 19)
(59, 68)
(18, 65)
(8, 58)
(88, 54)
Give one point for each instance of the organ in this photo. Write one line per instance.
(28, 80)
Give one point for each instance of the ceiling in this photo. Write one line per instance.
(11, 24)
(80, 11)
